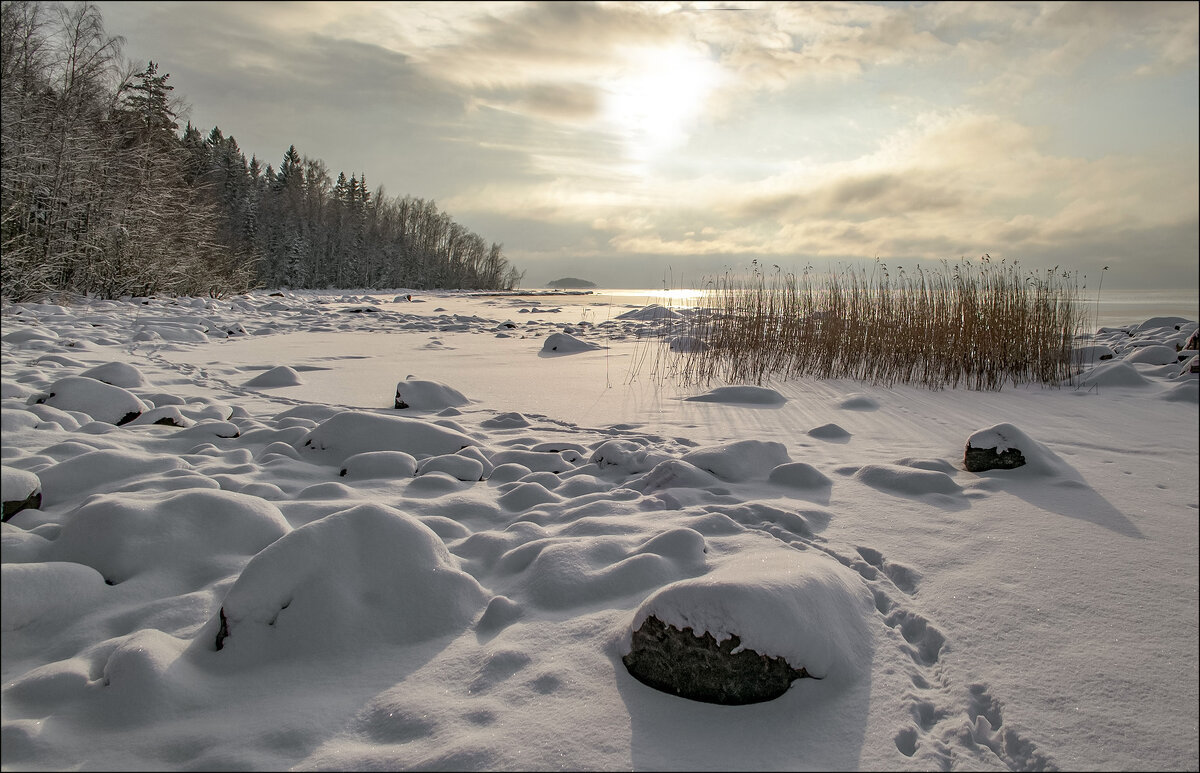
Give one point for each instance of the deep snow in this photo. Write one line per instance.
(245, 557)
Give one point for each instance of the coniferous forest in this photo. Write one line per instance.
(104, 194)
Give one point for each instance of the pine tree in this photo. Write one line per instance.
(147, 98)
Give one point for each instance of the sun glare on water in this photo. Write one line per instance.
(658, 96)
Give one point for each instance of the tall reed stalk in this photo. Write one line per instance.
(980, 325)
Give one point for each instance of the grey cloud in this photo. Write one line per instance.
(1138, 257)
(574, 102)
(555, 32)
(867, 196)
(887, 194)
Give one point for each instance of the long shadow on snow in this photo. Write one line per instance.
(1064, 493)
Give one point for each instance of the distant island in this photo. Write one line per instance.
(569, 282)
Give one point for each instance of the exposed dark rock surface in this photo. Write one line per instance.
(982, 459)
(32, 502)
(703, 669)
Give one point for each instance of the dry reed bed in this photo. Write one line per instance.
(979, 325)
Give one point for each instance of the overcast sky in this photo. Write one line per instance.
(640, 143)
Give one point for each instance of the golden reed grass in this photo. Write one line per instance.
(975, 324)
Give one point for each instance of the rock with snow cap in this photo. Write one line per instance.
(427, 395)
(21, 490)
(994, 448)
(103, 402)
(745, 631)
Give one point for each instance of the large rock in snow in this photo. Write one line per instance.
(120, 374)
(698, 667)
(50, 591)
(103, 470)
(279, 376)
(21, 489)
(745, 631)
(741, 460)
(565, 343)
(364, 575)
(103, 402)
(380, 464)
(186, 538)
(740, 395)
(355, 432)
(427, 396)
(652, 312)
(994, 448)
(1005, 447)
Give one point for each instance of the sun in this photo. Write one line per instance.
(657, 97)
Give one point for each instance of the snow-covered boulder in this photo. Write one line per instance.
(21, 489)
(830, 431)
(1004, 447)
(994, 448)
(167, 415)
(354, 432)
(685, 343)
(859, 402)
(1155, 354)
(741, 460)
(103, 402)
(427, 396)
(102, 470)
(625, 456)
(120, 374)
(911, 481)
(799, 475)
(649, 313)
(509, 420)
(673, 473)
(51, 590)
(1114, 373)
(280, 376)
(13, 389)
(1086, 355)
(740, 395)
(565, 343)
(456, 465)
(536, 461)
(188, 536)
(209, 429)
(359, 576)
(37, 335)
(485, 462)
(1155, 324)
(745, 631)
(379, 464)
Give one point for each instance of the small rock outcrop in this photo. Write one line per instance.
(426, 396)
(21, 490)
(702, 669)
(993, 449)
(103, 402)
(565, 343)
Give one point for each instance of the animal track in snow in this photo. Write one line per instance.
(935, 733)
(987, 729)
(927, 642)
(902, 577)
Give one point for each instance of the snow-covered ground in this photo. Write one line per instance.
(293, 573)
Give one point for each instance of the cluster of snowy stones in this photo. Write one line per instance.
(1130, 356)
(747, 648)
